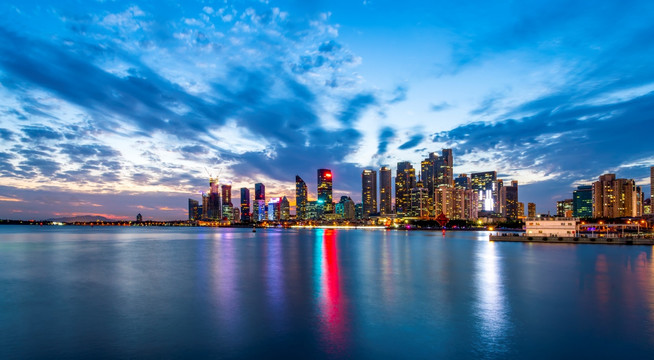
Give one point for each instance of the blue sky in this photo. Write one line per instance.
(116, 108)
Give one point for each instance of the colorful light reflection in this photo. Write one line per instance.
(331, 301)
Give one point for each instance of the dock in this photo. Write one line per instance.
(520, 237)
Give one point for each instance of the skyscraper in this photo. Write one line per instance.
(227, 194)
(259, 206)
(462, 182)
(284, 209)
(445, 169)
(405, 180)
(509, 200)
(259, 191)
(385, 203)
(245, 205)
(651, 186)
(300, 198)
(369, 192)
(485, 183)
(582, 202)
(325, 189)
(214, 205)
(193, 208)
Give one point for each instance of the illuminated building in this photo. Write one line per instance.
(193, 208)
(214, 205)
(498, 204)
(385, 197)
(405, 180)
(227, 194)
(651, 188)
(139, 217)
(300, 199)
(205, 207)
(521, 209)
(369, 192)
(531, 210)
(325, 189)
(259, 191)
(456, 203)
(444, 171)
(314, 210)
(284, 209)
(462, 182)
(647, 206)
(274, 209)
(582, 202)
(613, 198)
(509, 200)
(564, 208)
(419, 198)
(259, 210)
(228, 212)
(245, 205)
(345, 208)
(358, 211)
(485, 184)
(236, 214)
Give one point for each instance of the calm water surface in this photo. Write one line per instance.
(107, 292)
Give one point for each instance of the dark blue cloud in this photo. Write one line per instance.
(41, 132)
(385, 136)
(329, 46)
(412, 142)
(6, 134)
(354, 107)
(399, 94)
(440, 106)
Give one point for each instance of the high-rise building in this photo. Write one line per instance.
(564, 208)
(531, 210)
(274, 209)
(582, 202)
(462, 182)
(385, 198)
(651, 186)
(405, 180)
(227, 194)
(445, 169)
(245, 205)
(193, 208)
(259, 191)
(509, 200)
(613, 198)
(485, 184)
(419, 201)
(236, 214)
(228, 212)
(214, 205)
(345, 208)
(325, 189)
(284, 209)
(521, 210)
(300, 199)
(369, 192)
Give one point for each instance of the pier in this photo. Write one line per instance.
(520, 237)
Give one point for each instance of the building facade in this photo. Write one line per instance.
(405, 180)
(613, 198)
(325, 182)
(582, 202)
(300, 198)
(245, 205)
(385, 196)
(369, 192)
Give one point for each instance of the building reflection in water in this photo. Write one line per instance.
(491, 307)
(333, 325)
(274, 281)
(224, 286)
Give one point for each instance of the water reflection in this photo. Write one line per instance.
(491, 307)
(331, 301)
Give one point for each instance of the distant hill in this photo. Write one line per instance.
(81, 218)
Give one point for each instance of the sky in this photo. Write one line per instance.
(115, 108)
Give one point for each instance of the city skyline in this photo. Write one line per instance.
(117, 108)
